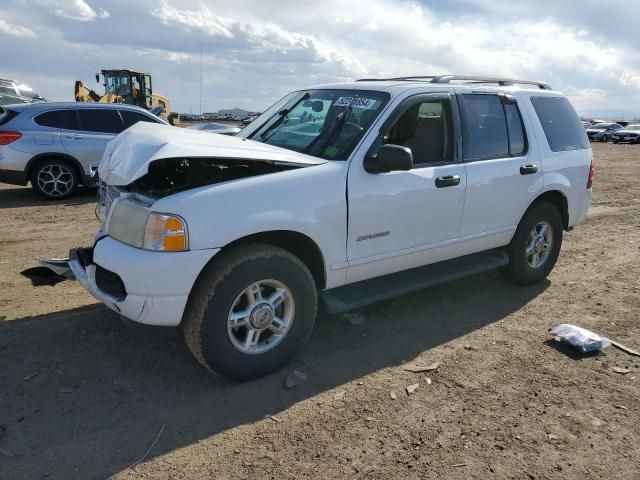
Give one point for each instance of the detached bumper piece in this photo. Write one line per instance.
(108, 282)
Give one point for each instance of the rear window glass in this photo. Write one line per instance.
(99, 120)
(560, 123)
(131, 118)
(65, 119)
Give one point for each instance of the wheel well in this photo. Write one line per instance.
(558, 200)
(61, 156)
(298, 244)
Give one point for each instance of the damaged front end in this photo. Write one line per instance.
(172, 175)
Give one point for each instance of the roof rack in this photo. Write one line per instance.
(460, 78)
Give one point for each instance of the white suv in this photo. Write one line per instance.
(351, 193)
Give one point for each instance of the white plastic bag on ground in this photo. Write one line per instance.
(578, 337)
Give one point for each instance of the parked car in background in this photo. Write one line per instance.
(215, 128)
(630, 133)
(586, 124)
(601, 132)
(236, 238)
(54, 145)
(12, 92)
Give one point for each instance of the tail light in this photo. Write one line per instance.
(7, 137)
(592, 172)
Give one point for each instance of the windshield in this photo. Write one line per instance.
(635, 126)
(323, 123)
(117, 83)
(601, 126)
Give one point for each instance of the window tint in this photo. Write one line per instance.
(517, 143)
(131, 118)
(65, 119)
(425, 128)
(560, 123)
(99, 120)
(485, 135)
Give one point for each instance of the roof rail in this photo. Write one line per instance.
(461, 78)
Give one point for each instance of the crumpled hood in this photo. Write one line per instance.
(127, 157)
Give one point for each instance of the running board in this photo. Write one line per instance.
(356, 295)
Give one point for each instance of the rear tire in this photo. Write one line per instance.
(231, 324)
(535, 247)
(54, 179)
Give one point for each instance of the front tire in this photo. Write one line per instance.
(250, 312)
(535, 247)
(55, 179)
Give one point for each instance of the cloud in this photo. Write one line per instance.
(77, 10)
(255, 50)
(16, 30)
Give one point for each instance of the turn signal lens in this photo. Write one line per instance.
(166, 233)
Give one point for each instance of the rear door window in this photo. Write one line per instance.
(100, 120)
(131, 118)
(64, 119)
(560, 123)
(517, 138)
(485, 135)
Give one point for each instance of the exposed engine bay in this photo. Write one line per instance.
(171, 175)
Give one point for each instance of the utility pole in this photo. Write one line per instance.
(200, 80)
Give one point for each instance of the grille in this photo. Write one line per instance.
(106, 195)
(110, 283)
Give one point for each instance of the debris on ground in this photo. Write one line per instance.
(621, 407)
(624, 348)
(580, 338)
(6, 453)
(294, 379)
(339, 396)
(275, 419)
(421, 368)
(355, 318)
(621, 370)
(428, 380)
(33, 375)
(412, 388)
(393, 395)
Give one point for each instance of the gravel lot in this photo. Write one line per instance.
(83, 395)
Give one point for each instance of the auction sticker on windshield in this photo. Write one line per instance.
(364, 103)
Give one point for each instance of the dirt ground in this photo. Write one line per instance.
(83, 395)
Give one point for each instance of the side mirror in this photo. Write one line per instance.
(390, 158)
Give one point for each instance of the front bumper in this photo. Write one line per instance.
(156, 284)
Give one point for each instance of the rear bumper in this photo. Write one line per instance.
(13, 177)
(584, 208)
(156, 285)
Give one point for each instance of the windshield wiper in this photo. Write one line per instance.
(281, 114)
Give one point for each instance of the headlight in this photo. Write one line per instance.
(165, 232)
(127, 222)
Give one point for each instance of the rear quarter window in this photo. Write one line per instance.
(560, 123)
(64, 119)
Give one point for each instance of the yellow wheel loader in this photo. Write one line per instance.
(130, 87)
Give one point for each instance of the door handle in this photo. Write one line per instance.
(528, 169)
(448, 181)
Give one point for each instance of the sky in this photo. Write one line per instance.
(255, 51)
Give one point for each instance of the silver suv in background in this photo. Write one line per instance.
(54, 145)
